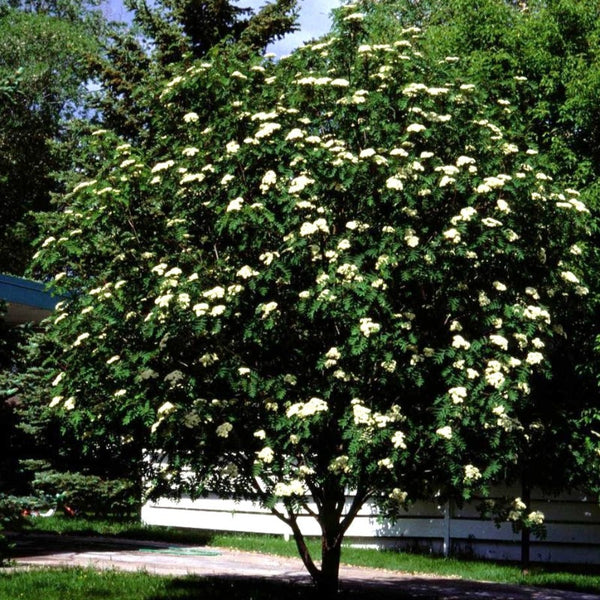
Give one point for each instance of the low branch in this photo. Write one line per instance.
(264, 497)
(303, 550)
(309, 510)
(359, 499)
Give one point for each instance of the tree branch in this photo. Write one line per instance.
(303, 550)
(359, 499)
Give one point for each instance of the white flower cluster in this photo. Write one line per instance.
(493, 374)
(349, 272)
(536, 517)
(363, 415)
(398, 440)
(340, 464)
(457, 394)
(444, 432)
(535, 313)
(266, 129)
(224, 430)
(397, 495)
(267, 309)
(319, 225)
(492, 183)
(332, 356)
(500, 341)
(299, 183)
(307, 409)
(452, 235)
(268, 180)
(368, 326)
(472, 473)
(266, 455)
(458, 341)
(293, 488)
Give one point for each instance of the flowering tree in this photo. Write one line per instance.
(336, 272)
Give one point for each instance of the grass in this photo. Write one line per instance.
(75, 584)
(117, 528)
(78, 584)
(582, 579)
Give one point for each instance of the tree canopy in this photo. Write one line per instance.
(42, 74)
(554, 43)
(344, 270)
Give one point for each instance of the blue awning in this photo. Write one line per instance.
(26, 300)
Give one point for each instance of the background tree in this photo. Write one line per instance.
(178, 28)
(318, 277)
(551, 43)
(43, 70)
(42, 459)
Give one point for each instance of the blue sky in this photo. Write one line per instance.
(314, 20)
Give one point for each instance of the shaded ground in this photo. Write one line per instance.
(226, 567)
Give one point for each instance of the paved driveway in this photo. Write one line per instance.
(162, 559)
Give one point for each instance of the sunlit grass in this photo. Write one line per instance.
(78, 584)
(87, 584)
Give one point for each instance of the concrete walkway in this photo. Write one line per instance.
(100, 553)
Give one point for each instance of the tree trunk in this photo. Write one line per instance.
(333, 527)
(329, 577)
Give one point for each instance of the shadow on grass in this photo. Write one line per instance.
(413, 588)
(114, 527)
(245, 588)
(59, 534)
(41, 544)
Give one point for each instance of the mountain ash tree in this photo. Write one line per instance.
(334, 273)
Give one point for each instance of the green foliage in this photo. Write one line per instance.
(137, 58)
(543, 56)
(180, 27)
(42, 73)
(88, 493)
(551, 43)
(345, 270)
(121, 71)
(12, 340)
(38, 453)
(73, 584)
(10, 517)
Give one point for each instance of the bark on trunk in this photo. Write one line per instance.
(333, 527)
(329, 578)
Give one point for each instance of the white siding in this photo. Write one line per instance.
(572, 523)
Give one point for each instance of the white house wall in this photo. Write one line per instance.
(572, 523)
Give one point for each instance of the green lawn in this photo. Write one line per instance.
(584, 579)
(87, 584)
